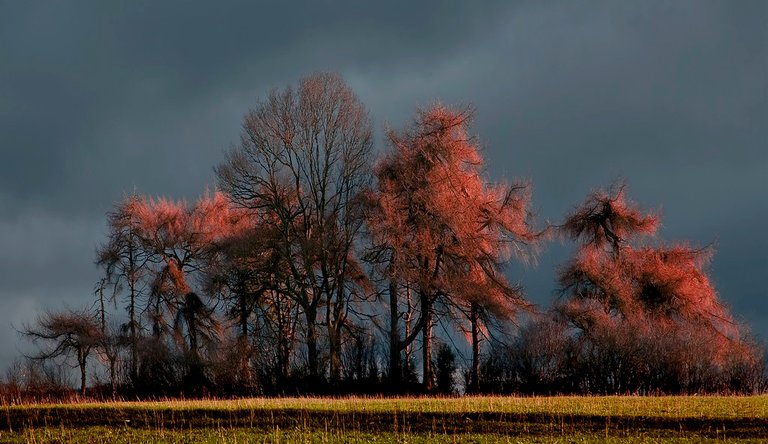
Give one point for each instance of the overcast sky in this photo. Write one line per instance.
(100, 98)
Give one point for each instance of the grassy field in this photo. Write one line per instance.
(412, 420)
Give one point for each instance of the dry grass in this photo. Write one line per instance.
(675, 407)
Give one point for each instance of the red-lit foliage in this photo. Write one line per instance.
(618, 290)
(180, 240)
(654, 284)
(608, 219)
(441, 228)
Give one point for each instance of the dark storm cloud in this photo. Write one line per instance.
(106, 83)
(99, 98)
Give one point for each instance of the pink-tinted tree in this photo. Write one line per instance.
(183, 240)
(618, 289)
(440, 228)
(613, 271)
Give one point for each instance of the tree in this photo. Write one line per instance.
(111, 341)
(126, 262)
(622, 293)
(303, 157)
(440, 228)
(172, 244)
(635, 282)
(183, 241)
(243, 275)
(197, 322)
(445, 366)
(65, 334)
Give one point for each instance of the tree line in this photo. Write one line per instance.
(315, 268)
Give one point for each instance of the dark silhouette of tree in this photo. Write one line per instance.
(65, 334)
(243, 275)
(243, 271)
(195, 324)
(304, 155)
(441, 229)
(445, 369)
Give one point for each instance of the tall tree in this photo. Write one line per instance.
(442, 229)
(125, 262)
(304, 155)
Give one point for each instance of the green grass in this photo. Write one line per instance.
(413, 420)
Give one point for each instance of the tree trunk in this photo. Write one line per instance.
(286, 332)
(474, 317)
(284, 356)
(408, 327)
(243, 344)
(192, 331)
(395, 371)
(311, 316)
(132, 311)
(113, 375)
(429, 374)
(81, 361)
(244, 316)
(335, 319)
(102, 313)
(334, 350)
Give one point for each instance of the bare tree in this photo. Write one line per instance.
(111, 340)
(304, 155)
(65, 334)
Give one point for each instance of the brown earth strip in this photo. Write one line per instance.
(16, 419)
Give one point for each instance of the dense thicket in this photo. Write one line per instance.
(316, 269)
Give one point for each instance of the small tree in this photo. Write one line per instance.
(111, 340)
(65, 334)
(445, 369)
